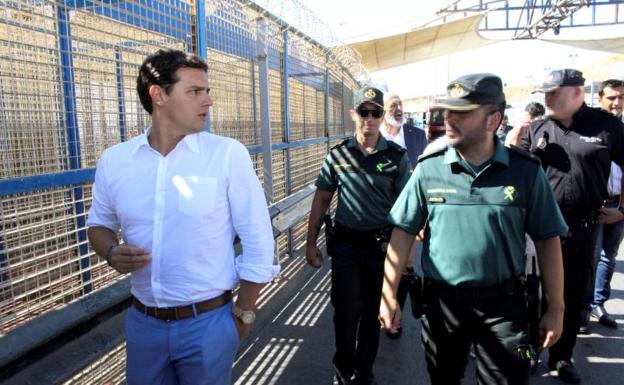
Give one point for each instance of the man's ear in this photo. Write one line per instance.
(156, 93)
(494, 121)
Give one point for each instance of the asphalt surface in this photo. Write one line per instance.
(295, 343)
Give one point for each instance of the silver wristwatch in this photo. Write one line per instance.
(246, 316)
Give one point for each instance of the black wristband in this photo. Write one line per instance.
(109, 251)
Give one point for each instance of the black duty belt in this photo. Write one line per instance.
(347, 232)
(181, 312)
(474, 294)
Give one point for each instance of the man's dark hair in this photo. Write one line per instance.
(535, 109)
(611, 83)
(159, 69)
(493, 108)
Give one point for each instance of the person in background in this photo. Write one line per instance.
(598, 291)
(369, 173)
(414, 140)
(179, 196)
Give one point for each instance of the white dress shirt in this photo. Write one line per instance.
(186, 208)
(398, 139)
(615, 178)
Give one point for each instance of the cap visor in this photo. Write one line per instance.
(545, 88)
(456, 105)
(367, 101)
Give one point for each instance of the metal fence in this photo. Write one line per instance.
(67, 92)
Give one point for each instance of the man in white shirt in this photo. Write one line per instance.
(611, 99)
(179, 196)
(395, 129)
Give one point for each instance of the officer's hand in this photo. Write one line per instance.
(550, 327)
(518, 131)
(314, 257)
(127, 258)
(609, 215)
(389, 314)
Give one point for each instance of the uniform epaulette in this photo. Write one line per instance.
(522, 152)
(396, 147)
(344, 142)
(432, 154)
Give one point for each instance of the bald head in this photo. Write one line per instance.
(393, 110)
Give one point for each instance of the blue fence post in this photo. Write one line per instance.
(201, 42)
(286, 107)
(121, 108)
(73, 137)
(327, 134)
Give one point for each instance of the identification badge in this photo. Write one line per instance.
(436, 200)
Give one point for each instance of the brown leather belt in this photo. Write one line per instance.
(181, 312)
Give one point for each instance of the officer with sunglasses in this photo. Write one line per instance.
(369, 173)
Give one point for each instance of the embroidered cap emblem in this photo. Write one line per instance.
(369, 94)
(510, 193)
(457, 91)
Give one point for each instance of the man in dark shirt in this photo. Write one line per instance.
(576, 145)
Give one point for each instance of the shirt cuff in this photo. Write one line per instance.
(256, 273)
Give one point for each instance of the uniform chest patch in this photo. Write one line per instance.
(510, 193)
(590, 139)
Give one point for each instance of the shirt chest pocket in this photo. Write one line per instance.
(196, 194)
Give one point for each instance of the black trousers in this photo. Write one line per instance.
(578, 253)
(357, 274)
(497, 327)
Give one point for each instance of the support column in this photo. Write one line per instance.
(263, 73)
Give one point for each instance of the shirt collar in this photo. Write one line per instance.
(191, 141)
(500, 154)
(381, 145)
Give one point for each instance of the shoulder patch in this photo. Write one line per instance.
(344, 142)
(396, 147)
(524, 153)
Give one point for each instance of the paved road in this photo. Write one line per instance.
(295, 344)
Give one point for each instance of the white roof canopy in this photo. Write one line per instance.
(422, 44)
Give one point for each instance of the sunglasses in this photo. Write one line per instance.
(365, 112)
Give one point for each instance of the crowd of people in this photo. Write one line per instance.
(178, 196)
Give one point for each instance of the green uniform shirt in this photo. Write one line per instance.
(476, 223)
(367, 186)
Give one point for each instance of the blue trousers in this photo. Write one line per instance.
(192, 351)
(610, 236)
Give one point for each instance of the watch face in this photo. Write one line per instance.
(248, 317)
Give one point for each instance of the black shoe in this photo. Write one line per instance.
(567, 372)
(365, 379)
(604, 317)
(340, 380)
(395, 336)
(584, 325)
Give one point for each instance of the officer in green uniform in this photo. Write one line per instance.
(369, 173)
(476, 199)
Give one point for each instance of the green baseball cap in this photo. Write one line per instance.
(368, 94)
(472, 91)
